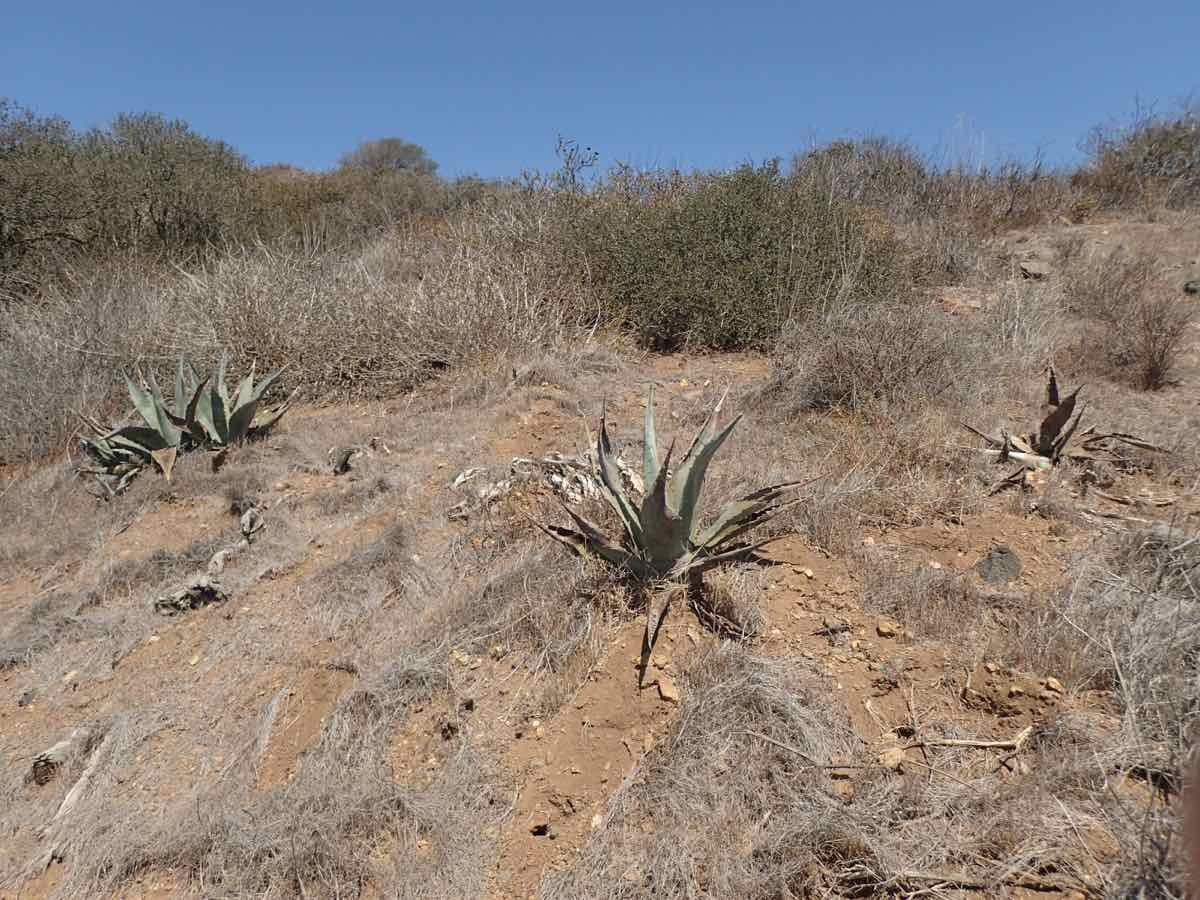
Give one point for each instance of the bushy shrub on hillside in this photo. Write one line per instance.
(721, 261)
(1153, 161)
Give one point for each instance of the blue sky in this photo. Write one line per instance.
(486, 87)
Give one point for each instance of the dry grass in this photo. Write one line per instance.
(365, 323)
(1142, 324)
(855, 357)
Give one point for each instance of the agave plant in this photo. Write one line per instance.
(664, 536)
(1048, 446)
(204, 415)
(211, 416)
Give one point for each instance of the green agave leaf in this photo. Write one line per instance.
(649, 443)
(741, 515)
(267, 381)
(139, 438)
(181, 393)
(241, 420)
(143, 402)
(218, 410)
(264, 421)
(664, 537)
(691, 475)
(199, 418)
(610, 478)
(219, 383)
(166, 426)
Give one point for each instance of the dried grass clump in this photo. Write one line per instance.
(340, 824)
(1141, 325)
(859, 357)
(365, 322)
(934, 602)
(740, 759)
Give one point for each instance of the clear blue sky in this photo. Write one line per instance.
(486, 87)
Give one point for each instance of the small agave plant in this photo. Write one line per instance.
(664, 538)
(204, 415)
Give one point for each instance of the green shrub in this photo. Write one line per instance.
(721, 261)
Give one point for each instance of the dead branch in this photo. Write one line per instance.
(966, 882)
(1014, 744)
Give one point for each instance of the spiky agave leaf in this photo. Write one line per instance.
(1053, 424)
(650, 464)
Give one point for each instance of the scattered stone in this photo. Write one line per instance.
(868, 541)
(808, 573)
(1191, 287)
(1000, 565)
(195, 659)
(887, 629)
(667, 690)
(459, 657)
(1035, 269)
(597, 821)
(1053, 684)
(1016, 691)
(1048, 696)
(199, 592)
(934, 564)
(892, 758)
(540, 826)
(252, 522)
(991, 668)
(70, 677)
(26, 698)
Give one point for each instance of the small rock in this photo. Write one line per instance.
(887, 629)
(26, 698)
(540, 826)
(1191, 287)
(597, 821)
(808, 573)
(892, 758)
(1016, 691)
(776, 632)
(1053, 684)
(868, 541)
(195, 659)
(991, 668)
(934, 564)
(1048, 696)
(1000, 565)
(1034, 269)
(667, 689)
(153, 639)
(70, 677)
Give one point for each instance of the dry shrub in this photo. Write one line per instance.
(857, 357)
(942, 210)
(1127, 626)
(1142, 327)
(1150, 162)
(347, 325)
(747, 757)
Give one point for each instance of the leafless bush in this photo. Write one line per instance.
(1143, 326)
(855, 357)
(366, 323)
